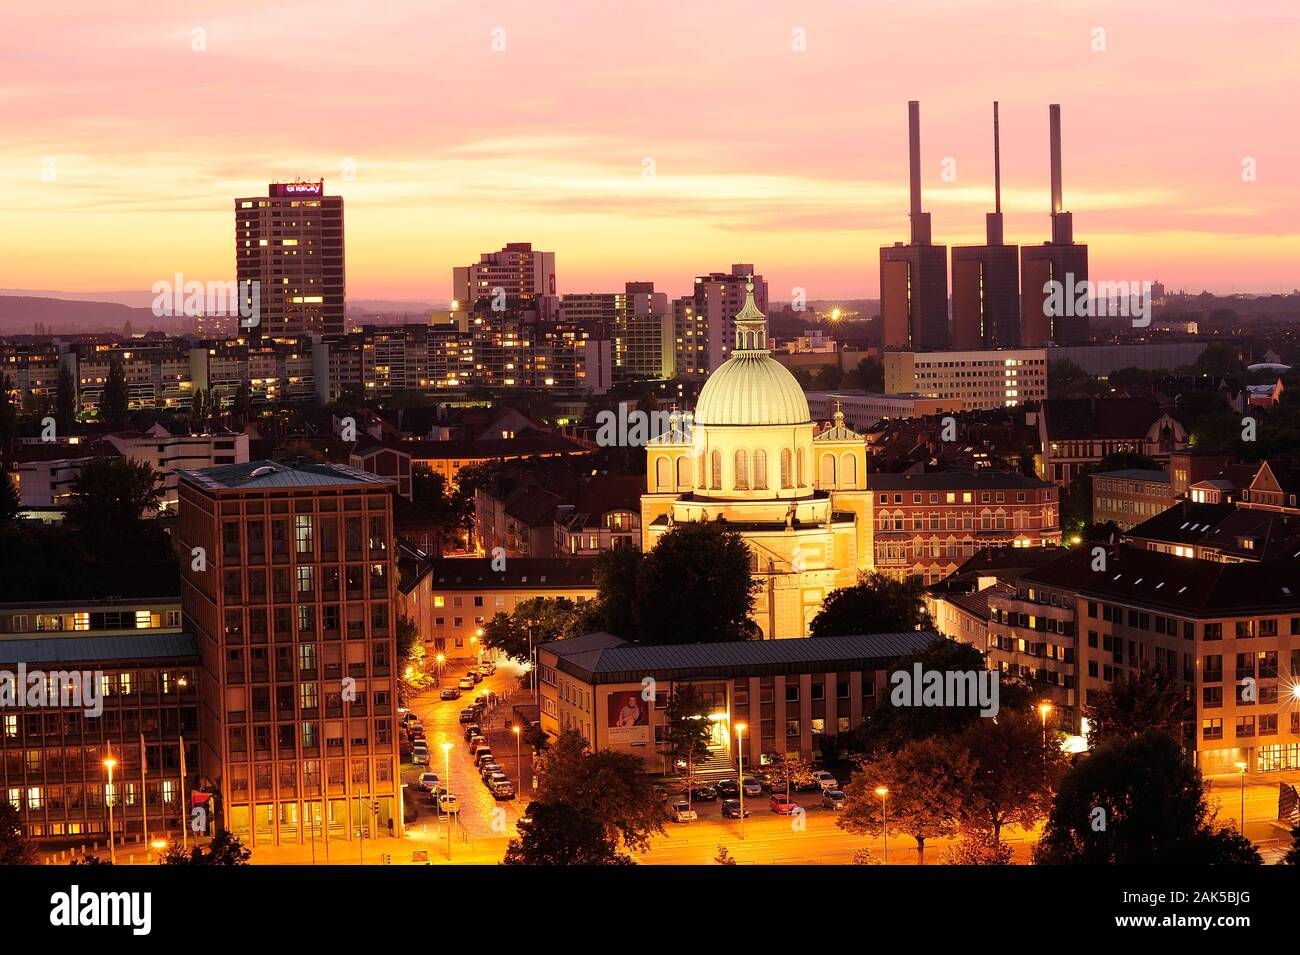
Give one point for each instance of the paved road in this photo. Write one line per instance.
(481, 816)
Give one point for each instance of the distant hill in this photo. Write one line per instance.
(19, 315)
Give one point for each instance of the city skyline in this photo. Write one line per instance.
(115, 180)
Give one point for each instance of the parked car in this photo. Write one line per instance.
(449, 804)
(661, 793)
(420, 755)
(436, 793)
(752, 786)
(782, 806)
(488, 768)
(415, 731)
(483, 755)
(526, 819)
(731, 810)
(465, 683)
(487, 669)
(474, 677)
(833, 799)
(408, 716)
(825, 780)
(428, 781)
(472, 730)
(496, 776)
(476, 741)
(702, 792)
(450, 693)
(681, 811)
(467, 716)
(503, 789)
(727, 788)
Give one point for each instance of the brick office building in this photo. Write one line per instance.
(292, 604)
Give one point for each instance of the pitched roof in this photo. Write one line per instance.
(1222, 527)
(603, 658)
(1177, 584)
(1072, 418)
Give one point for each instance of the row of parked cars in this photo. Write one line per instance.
(472, 678)
(729, 791)
(489, 770)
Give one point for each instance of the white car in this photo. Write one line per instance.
(825, 780)
(682, 812)
(429, 781)
(420, 754)
(449, 804)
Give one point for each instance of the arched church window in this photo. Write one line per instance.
(798, 460)
(683, 471)
(715, 463)
(661, 472)
(742, 471)
(785, 467)
(828, 470)
(760, 470)
(849, 469)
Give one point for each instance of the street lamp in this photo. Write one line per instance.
(883, 793)
(441, 660)
(446, 768)
(109, 763)
(1241, 768)
(519, 754)
(477, 640)
(740, 771)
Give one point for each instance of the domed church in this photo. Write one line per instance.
(752, 459)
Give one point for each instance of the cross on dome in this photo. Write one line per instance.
(751, 323)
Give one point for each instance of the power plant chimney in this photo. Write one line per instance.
(920, 220)
(993, 220)
(1062, 222)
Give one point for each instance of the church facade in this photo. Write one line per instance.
(751, 458)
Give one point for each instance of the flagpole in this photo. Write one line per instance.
(144, 786)
(185, 798)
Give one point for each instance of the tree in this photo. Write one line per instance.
(724, 856)
(537, 619)
(789, 770)
(877, 603)
(610, 788)
(1147, 699)
(224, 849)
(1012, 773)
(451, 511)
(114, 401)
(10, 500)
(108, 499)
(559, 834)
(889, 727)
(1219, 360)
(8, 420)
(1068, 380)
(14, 847)
(1138, 801)
(869, 375)
(695, 586)
(687, 731)
(976, 849)
(65, 400)
(243, 403)
(923, 779)
(615, 573)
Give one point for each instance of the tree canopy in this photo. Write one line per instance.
(559, 834)
(695, 586)
(877, 603)
(108, 502)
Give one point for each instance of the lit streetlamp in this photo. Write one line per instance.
(883, 793)
(1241, 768)
(740, 771)
(519, 755)
(109, 763)
(441, 659)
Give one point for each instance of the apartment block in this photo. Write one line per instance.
(997, 378)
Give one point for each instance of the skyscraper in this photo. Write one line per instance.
(702, 321)
(985, 280)
(636, 321)
(1060, 260)
(914, 277)
(291, 243)
(516, 269)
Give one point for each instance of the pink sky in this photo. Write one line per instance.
(795, 161)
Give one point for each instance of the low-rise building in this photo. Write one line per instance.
(1076, 433)
(1129, 496)
(864, 410)
(993, 378)
(792, 695)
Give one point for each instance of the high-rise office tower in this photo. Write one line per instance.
(288, 584)
(637, 322)
(1061, 260)
(291, 243)
(914, 277)
(985, 278)
(516, 270)
(703, 321)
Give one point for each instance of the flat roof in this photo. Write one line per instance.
(604, 658)
(60, 649)
(1136, 474)
(279, 474)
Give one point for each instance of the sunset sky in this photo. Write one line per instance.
(122, 147)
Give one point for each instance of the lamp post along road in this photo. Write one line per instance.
(883, 793)
(109, 763)
(740, 772)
